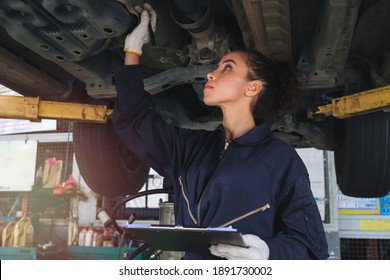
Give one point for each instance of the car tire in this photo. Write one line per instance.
(363, 161)
(106, 164)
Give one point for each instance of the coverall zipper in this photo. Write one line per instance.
(261, 209)
(186, 199)
(197, 221)
(220, 162)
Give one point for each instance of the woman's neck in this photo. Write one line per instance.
(237, 124)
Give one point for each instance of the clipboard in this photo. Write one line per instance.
(177, 238)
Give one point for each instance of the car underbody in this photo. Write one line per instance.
(68, 50)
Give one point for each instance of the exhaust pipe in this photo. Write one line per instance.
(207, 44)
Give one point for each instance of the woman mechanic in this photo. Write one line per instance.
(238, 175)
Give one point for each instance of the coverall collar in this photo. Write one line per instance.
(258, 134)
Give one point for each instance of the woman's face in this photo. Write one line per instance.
(229, 82)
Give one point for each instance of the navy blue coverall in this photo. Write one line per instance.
(256, 183)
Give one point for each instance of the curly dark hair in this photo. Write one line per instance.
(283, 85)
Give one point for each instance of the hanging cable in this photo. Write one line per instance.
(120, 230)
(131, 197)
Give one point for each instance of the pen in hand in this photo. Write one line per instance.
(151, 34)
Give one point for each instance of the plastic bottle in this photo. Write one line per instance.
(8, 234)
(18, 231)
(108, 237)
(99, 238)
(23, 233)
(94, 237)
(89, 238)
(82, 233)
(2, 226)
(105, 237)
(29, 234)
(111, 240)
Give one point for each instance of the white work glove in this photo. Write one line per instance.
(257, 249)
(140, 35)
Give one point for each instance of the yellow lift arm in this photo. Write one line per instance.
(33, 109)
(356, 104)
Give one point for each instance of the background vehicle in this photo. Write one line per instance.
(68, 50)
